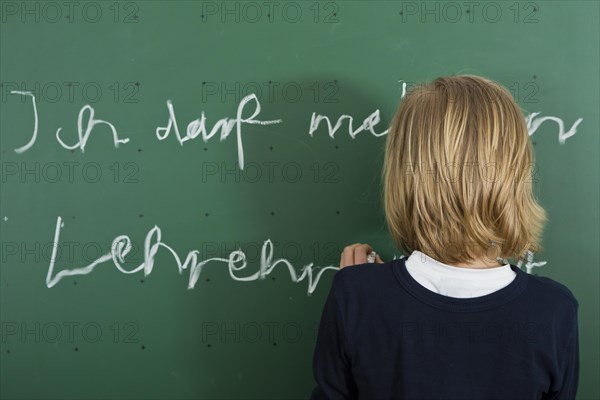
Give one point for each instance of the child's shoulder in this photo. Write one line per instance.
(551, 288)
(367, 268)
(368, 276)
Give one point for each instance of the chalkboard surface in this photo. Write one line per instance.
(176, 188)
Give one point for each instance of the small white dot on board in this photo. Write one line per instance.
(5, 218)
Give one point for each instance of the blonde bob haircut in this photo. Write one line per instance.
(457, 173)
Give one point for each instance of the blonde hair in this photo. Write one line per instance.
(457, 173)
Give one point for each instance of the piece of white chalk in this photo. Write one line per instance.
(371, 257)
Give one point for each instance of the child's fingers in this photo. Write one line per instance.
(378, 259)
(347, 257)
(361, 252)
(356, 254)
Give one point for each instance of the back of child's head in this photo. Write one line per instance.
(458, 173)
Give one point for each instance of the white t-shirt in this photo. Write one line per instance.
(457, 281)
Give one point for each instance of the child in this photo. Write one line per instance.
(454, 320)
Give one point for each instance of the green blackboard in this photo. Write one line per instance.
(171, 204)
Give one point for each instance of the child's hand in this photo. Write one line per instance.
(357, 254)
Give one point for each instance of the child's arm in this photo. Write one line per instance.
(569, 365)
(331, 365)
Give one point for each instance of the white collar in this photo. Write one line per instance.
(457, 281)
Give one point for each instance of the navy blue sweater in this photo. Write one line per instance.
(384, 336)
